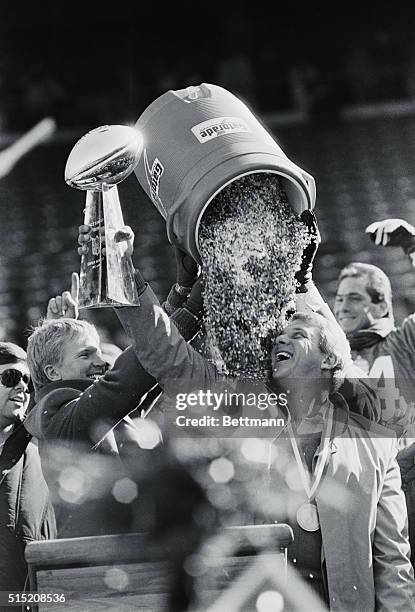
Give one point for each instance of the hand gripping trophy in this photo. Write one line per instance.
(100, 160)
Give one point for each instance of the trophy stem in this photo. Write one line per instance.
(120, 280)
(106, 280)
(92, 263)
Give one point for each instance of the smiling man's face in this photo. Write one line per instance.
(297, 351)
(353, 306)
(82, 357)
(14, 400)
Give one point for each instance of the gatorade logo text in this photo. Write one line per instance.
(219, 127)
(157, 170)
(153, 176)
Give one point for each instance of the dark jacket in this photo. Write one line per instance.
(86, 445)
(81, 466)
(26, 512)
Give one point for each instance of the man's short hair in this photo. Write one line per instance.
(46, 345)
(11, 353)
(333, 341)
(378, 284)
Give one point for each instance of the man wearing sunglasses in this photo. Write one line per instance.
(26, 512)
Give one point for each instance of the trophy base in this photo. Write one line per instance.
(106, 304)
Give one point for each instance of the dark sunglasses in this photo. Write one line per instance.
(10, 378)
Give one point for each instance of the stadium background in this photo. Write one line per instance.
(335, 84)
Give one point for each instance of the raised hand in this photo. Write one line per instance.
(86, 234)
(186, 268)
(66, 304)
(392, 232)
(305, 273)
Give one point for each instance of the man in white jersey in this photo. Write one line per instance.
(363, 308)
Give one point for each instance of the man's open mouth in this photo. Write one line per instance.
(96, 374)
(283, 356)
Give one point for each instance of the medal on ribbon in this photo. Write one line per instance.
(307, 513)
(307, 517)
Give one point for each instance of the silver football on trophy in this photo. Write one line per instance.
(105, 155)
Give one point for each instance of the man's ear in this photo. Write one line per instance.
(52, 373)
(328, 362)
(379, 310)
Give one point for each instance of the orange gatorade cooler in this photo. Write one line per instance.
(198, 140)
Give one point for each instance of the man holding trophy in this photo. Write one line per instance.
(80, 406)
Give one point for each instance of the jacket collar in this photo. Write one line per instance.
(77, 383)
(365, 338)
